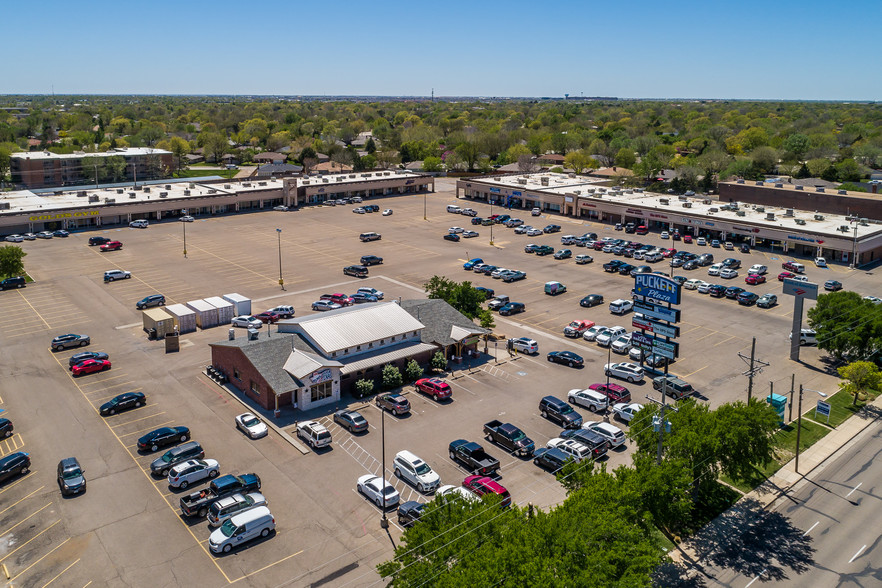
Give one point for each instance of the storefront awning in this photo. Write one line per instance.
(383, 358)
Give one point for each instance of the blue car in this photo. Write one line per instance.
(472, 263)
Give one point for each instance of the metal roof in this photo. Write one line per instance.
(386, 355)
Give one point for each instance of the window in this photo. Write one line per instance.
(255, 388)
(236, 374)
(321, 391)
(358, 348)
(370, 345)
(334, 354)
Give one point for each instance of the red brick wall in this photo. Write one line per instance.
(869, 206)
(230, 361)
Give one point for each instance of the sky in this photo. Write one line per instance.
(749, 49)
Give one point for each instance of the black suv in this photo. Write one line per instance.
(15, 463)
(557, 410)
(98, 240)
(410, 512)
(152, 300)
(10, 283)
(371, 260)
(70, 477)
(359, 271)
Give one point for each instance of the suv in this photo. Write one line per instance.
(371, 260)
(116, 274)
(395, 403)
(369, 237)
(793, 266)
(620, 306)
(415, 471)
(358, 271)
(70, 477)
(283, 311)
(70, 340)
(314, 433)
(98, 240)
(139, 224)
(593, 441)
(152, 300)
(434, 387)
(163, 464)
(559, 411)
(14, 282)
(14, 463)
(614, 392)
(676, 387)
(111, 246)
(498, 302)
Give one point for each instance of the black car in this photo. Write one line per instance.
(477, 220)
(98, 240)
(550, 458)
(733, 292)
(123, 402)
(152, 300)
(6, 428)
(717, 291)
(640, 269)
(14, 464)
(691, 264)
(371, 260)
(451, 237)
(679, 279)
(747, 298)
(79, 357)
(487, 292)
(613, 266)
(625, 269)
(745, 248)
(153, 440)
(551, 229)
(410, 512)
(14, 282)
(165, 462)
(358, 271)
(591, 300)
(70, 477)
(566, 357)
(731, 263)
(61, 233)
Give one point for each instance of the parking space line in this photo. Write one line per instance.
(61, 572)
(89, 383)
(272, 564)
(724, 340)
(20, 499)
(29, 540)
(105, 389)
(26, 518)
(39, 560)
(693, 373)
(106, 398)
(34, 309)
(11, 486)
(136, 420)
(11, 444)
(142, 430)
(711, 334)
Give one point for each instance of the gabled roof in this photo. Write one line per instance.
(268, 355)
(444, 325)
(270, 156)
(269, 169)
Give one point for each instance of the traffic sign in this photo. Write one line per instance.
(657, 311)
(657, 287)
(800, 289)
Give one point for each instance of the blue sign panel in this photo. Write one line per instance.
(657, 287)
(494, 190)
(516, 193)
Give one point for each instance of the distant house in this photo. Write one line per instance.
(230, 159)
(322, 158)
(332, 167)
(611, 172)
(414, 166)
(551, 159)
(270, 157)
(194, 158)
(277, 170)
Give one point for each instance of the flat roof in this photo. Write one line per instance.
(124, 151)
(780, 185)
(555, 182)
(354, 177)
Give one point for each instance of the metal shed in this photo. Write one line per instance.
(158, 323)
(224, 309)
(206, 313)
(241, 304)
(185, 318)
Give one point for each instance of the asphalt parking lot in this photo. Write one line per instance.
(127, 529)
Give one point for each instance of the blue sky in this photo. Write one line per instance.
(808, 50)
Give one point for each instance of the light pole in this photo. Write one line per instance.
(799, 423)
(184, 225)
(281, 280)
(425, 194)
(494, 221)
(854, 245)
(384, 522)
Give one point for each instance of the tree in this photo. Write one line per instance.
(439, 361)
(413, 370)
(846, 325)
(460, 295)
(859, 376)
(116, 167)
(11, 260)
(95, 168)
(765, 159)
(391, 377)
(468, 151)
(625, 158)
(526, 163)
(214, 145)
(848, 171)
(579, 161)
(486, 320)
(370, 146)
(797, 144)
(818, 166)
(364, 388)
(432, 164)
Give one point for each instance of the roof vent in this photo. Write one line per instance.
(186, 192)
(740, 181)
(788, 212)
(132, 195)
(713, 209)
(688, 205)
(163, 194)
(760, 182)
(819, 189)
(740, 213)
(770, 216)
(799, 187)
(759, 208)
(844, 192)
(819, 217)
(800, 221)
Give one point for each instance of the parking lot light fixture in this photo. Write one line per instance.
(184, 225)
(281, 280)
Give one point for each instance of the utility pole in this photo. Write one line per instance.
(755, 367)
(798, 429)
(854, 245)
(662, 422)
(792, 381)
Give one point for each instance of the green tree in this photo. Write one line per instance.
(95, 168)
(391, 377)
(214, 146)
(370, 146)
(797, 144)
(468, 151)
(848, 171)
(625, 158)
(846, 325)
(432, 164)
(439, 362)
(486, 320)
(11, 260)
(460, 295)
(364, 388)
(858, 377)
(579, 161)
(413, 370)
(116, 167)
(765, 159)
(818, 166)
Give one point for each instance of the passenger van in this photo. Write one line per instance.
(454, 209)
(241, 528)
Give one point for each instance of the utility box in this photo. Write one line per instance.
(779, 403)
(241, 305)
(172, 343)
(185, 318)
(206, 313)
(158, 323)
(224, 309)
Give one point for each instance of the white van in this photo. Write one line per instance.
(240, 529)
(454, 209)
(412, 469)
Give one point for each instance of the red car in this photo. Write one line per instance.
(783, 275)
(614, 392)
(754, 279)
(342, 299)
(90, 366)
(482, 485)
(111, 246)
(687, 238)
(437, 388)
(668, 252)
(267, 317)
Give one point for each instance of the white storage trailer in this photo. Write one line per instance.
(185, 318)
(224, 308)
(206, 313)
(241, 305)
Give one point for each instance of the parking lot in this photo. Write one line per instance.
(127, 528)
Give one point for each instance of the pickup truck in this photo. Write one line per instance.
(197, 503)
(473, 457)
(510, 437)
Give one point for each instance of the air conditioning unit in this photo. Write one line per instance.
(819, 189)
(146, 188)
(740, 181)
(740, 213)
(843, 228)
(109, 200)
(119, 190)
(788, 212)
(212, 191)
(779, 185)
(191, 186)
(81, 193)
(706, 201)
(682, 198)
(799, 188)
(864, 222)
(759, 208)
(843, 192)
(261, 183)
(226, 186)
(819, 217)
(163, 194)
(94, 198)
(713, 209)
(760, 182)
(186, 192)
(663, 201)
(800, 221)
(543, 180)
(688, 205)
(132, 195)
(770, 216)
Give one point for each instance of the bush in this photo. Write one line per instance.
(439, 362)
(364, 388)
(391, 377)
(413, 370)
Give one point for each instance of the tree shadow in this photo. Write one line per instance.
(751, 541)
(676, 575)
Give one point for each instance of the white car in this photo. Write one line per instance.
(139, 224)
(820, 262)
(625, 411)
(606, 337)
(583, 259)
(15, 238)
(701, 241)
(378, 491)
(693, 284)
(111, 275)
(468, 234)
(536, 211)
(534, 232)
(589, 399)
(591, 334)
(571, 447)
(807, 337)
(665, 235)
(624, 371)
(715, 269)
(800, 278)
(449, 492)
(497, 273)
(608, 431)
(873, 299)
(44, 235)
(192, 471)
(247, 321)
(187, 219)
(635, 354)
(371, 292)
(387, 212)
(251, 425)
(728, 273)
(358, 210)
(757, 268)
(281, 208)
(620, 306)
(416, 472)
(622, 344)
(29, 236)
(704, 288)
(523, 229)
(325, 305)
(284, 311)
(454, 230)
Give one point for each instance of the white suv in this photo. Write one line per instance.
(415, 471)
(620, 306)
(757, 269)
(571, 447)
(588, 398)
(314, 433)
(139, 224)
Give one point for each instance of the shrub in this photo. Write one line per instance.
(391, 377)
(364, 388)
(439, 362)
(413, 370)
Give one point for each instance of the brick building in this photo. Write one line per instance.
(41, 169)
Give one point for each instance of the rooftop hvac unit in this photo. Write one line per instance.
(740, 213)
(81, 193)
(132, 195)
(109, 200)
(760, 182)
(146, 188)
(340, 179)
(770, 216)
(94, 198)
(842, 192)
(572, 175)
(192, 186)
(543, 180)
(638, 190)
(864, 223)
(522, 181)
(163, 194)
(629, 191)
(601, 190)
(4, 205)
(843, 228)
(713, 209)
(325, 180)
(740, 181)
(819, 189)
(788, 212)
(305, 183)
(819, 217)
(779, 185)
(186, 192)
(800, 221)
(682, 198)
(706, 201)
(664, 201)
(261, 183)
(212, 191)
(799, 187)
(759, 208)
(577, 192)
(351, 175)
(688, 205)
(590, 190)
(226, 186)
(168, 186)
(119, 190)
